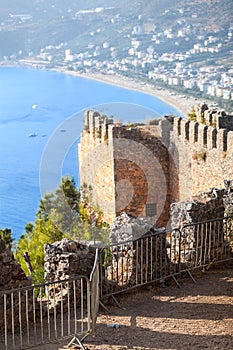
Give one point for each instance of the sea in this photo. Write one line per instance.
(41, 119)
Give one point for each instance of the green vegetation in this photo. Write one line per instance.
(200, 156)
(7, 237)
(192, 115)
(65, 213)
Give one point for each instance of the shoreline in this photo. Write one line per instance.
(180, 102)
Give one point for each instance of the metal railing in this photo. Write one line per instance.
(49, 312)
(205, 243)
(164, 254)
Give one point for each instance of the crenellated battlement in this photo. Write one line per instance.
(213, 116)
(200, 135)
(97, 124)
(143, 168)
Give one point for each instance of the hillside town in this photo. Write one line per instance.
(175, 51)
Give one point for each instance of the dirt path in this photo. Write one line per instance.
(198, 316)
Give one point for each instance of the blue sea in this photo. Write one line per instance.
(41, 118)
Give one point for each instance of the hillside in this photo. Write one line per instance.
(186, 45)
(50, 23)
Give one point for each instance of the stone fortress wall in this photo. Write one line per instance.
(203, 150)
(142, 169)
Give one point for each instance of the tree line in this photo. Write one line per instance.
(65, 213)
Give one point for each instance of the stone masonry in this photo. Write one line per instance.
(142, 169)
(11, 277)
(211, 239)
(67, 258)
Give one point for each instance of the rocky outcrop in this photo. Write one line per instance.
(11, 277)
(11, 273)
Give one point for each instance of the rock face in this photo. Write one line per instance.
(11, 273)
(11, 277)
(126, 227)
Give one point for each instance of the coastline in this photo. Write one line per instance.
(180, 102)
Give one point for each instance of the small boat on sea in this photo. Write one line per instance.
(32, 135)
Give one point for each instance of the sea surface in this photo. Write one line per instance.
(41, 118)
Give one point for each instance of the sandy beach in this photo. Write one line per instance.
(181, 102)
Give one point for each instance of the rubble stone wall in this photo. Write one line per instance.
(67, 258)
(209, 241)
(11, 277)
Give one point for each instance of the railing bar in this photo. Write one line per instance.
(48, 312)
(54, 312)
(187, 247)
(41, 316)
(156, 258)
(34, 315)
(197, 246)
(75, 308)
(82, 306)
(151, 258)
(27, 318)
(112, 274)
(12, 319)
(117, 261)
(141, 258)
(88, 306)
(218, 240)
(167, 250)
(127, 262)
(206, 240)
(20, 320)
(136, 262)
(161, 256)
(101, 269)
(68, 310)
(122, 265)
(179, 251)
(62, 320)
(222, 240)
(201, 245)
(147, 252)
(210, 241)
(5, 320)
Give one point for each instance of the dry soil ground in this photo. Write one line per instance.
(196, 316)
